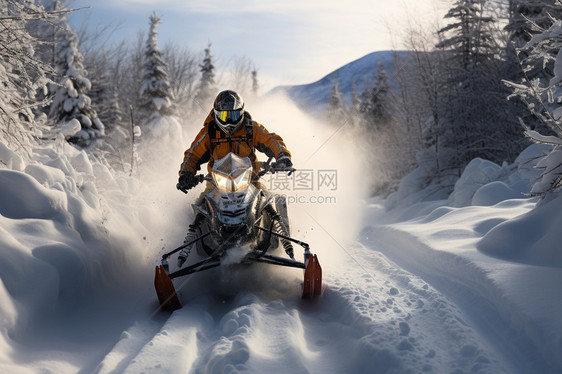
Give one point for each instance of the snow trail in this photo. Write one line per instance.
(471, 281)
(379, 319)
(79, 253)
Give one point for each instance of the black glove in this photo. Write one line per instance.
(283, 163)
(186, 181)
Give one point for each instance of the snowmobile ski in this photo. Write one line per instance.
(165, 290)
(312, 279)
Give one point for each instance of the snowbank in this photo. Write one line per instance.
(61, 244)
(493, 250)
(533, 238)
(481, 183)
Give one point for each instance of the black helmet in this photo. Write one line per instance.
(229, 111)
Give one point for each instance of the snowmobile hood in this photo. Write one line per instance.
(232, 172)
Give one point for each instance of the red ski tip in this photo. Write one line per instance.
(165, 290)
(312, 279)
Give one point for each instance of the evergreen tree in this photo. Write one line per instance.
(380, 99)
(529, 17)
(161, 130)
(376, 104)
(474, 119)
(336, 105)
(365, 105)
(155, 90)
(206, 88)
(468, 37)
(71, 100)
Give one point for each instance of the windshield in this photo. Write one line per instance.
(232, 172)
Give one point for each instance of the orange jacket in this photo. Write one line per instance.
(221, 144)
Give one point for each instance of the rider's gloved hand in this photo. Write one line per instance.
(186, 181)
(283, 163)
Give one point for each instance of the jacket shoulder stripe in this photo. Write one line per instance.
(191, 151)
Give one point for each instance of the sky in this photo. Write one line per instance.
(290, 42)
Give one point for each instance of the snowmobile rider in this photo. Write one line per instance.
(229, 128)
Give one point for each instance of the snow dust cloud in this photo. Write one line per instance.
(329, 184)
(323, 196)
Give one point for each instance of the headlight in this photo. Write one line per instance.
(231, 184)
(242, 180)
(222, 182)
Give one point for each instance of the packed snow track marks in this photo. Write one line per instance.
(495, 321)
(151, 347)
(403, 323)
(373, 317)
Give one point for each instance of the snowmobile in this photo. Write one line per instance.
(235, 213)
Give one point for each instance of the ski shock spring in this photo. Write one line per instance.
(280, 227)
(191, 235)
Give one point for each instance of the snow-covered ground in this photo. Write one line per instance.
(466, 284)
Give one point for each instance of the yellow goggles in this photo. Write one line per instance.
(228, 116)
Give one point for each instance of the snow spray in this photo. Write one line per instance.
(324, 194)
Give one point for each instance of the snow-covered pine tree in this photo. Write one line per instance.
(71, 102)
(380, 99)
(155, 90)
(336, 111)
(206, 89)
(474, 120)
(161, 130)
(365, 98)
(376, 105)
(527, 17)
(544, 98)
(21, 73)
(467, 37)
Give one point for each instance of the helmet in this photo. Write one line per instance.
(229, 111)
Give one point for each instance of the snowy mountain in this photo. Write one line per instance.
(361, 71)
(470, 283)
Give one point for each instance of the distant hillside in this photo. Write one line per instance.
(315, 95)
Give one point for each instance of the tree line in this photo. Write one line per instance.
(58, 82)
(453, 97)
(480, 86)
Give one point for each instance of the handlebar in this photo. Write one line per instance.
(266, 167)
(273, 170)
